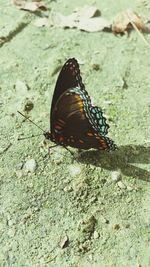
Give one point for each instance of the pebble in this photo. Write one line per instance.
(11, 232)
(19, 173)
(95, 66)
(19, 166)
(10, 222)
(90, 257)
(104, 220)
(68, 188)
(108, 102)
(64, 241)
(58, 157)
(75, 170)
(30, 165)
(28, 105)
(116, 226)
(21, 86)
(89, 225)
(121, 185)
(116, 176)
(129, 188)
(95, 235)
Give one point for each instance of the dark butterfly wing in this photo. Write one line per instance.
(72, 119)
(69, 77)
(93, 113)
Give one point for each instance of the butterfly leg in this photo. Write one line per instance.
(69, 150)
(48, 153)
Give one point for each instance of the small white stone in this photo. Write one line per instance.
(58, 157)
(21, 86)
(121, 185)
(130, 188)
(90, 257)
(11, 232)
(116, 176)
(74, 170)
(30, 165)
(67, 188)
(95, 235)
(19, 173)
(108, 102)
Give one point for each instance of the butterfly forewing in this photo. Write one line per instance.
(69, 77)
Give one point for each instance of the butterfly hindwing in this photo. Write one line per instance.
(93, 113)
(71, 125)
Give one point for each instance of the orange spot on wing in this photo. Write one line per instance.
(80, 103)
(103, 143)
(61, 139)
(71, 139)
(81, 141)
(61, 121)
(89, 134)
(81, 106)
(58, 127)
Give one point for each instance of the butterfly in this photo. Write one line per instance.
(74, 121)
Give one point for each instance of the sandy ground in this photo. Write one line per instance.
(91, 210)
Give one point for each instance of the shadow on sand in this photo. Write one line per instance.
(122, 159)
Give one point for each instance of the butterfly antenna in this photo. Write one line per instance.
(28, 137)
(31, 121)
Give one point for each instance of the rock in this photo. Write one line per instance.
(104, 220)
(19, 173)
(58, 157)
(19, 166)
(30, 165)
(28, 105)
(95, 66)
(130, 188)
(68, 188)
(64, 242)
(121, 185)
(116, 226)
(95, 235)
(88, 226)
(19, 85)
(74, 170)
(116, 176)
(11, 232)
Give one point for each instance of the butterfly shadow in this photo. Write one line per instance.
(123, 159)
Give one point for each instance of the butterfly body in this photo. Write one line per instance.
(74, 121)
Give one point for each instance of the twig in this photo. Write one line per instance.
(140, 34)
(6, 148)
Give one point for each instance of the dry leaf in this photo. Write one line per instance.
(93, 25)
(127, 20)
(30, 6)
(83, 19)
(88, 12)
